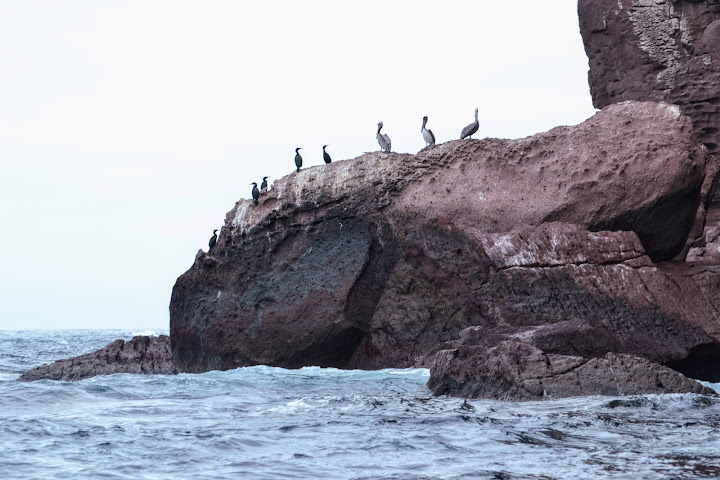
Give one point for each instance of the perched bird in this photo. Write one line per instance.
(298, 158)
(427, 134)
(383, 139)
(255, 192)
(470, 129)
(326, 156)
(263, 185)
(213, 240)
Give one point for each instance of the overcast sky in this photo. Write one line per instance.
(129, 128)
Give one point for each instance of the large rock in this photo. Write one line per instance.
(142, 354)
(581, 293)
(374, 262)
(517, 371)
(666, 51)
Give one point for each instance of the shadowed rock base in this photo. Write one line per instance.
(148, 355)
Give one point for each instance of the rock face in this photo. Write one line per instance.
(386, 259)
(517, 371)
(651, 50)
(150, 355)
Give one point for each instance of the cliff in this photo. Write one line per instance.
(669, 51)
(555, 240)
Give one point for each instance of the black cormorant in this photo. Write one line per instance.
(383, 139)
(470, 129)
(255, 192)
(263, 185)
(326, 156)
(213, 240)
(427, 134)
(298, 158)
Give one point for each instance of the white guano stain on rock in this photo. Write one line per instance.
(656, 26)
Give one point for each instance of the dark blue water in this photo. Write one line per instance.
(313, 423)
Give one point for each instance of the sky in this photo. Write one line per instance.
(128, 129)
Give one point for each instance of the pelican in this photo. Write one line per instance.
(427, 134)
(263, 185)
(213, 240)
(255, 192)
(326, 156)
(298, 158)
(383, 139)
(470, 129)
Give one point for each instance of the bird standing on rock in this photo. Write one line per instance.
(213, 240)
(383, 139)
(427, 134)
(263, 185)
(326, 156)
(298, 158)
(255, 192)
(470, 129)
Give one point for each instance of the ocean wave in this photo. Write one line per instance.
(145, 333)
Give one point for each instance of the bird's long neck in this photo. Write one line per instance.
(424, 123)
(476, 119)
(379, 128)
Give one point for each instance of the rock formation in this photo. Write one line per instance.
(386, 259)
(657, 50)
(149, 355)
(517, 371)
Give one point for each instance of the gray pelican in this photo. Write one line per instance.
(470, 129)
(255, 192)
(263, 185)
(298, 158)
(383, 139)
(427, 134)
(326, 156)
(213, 240)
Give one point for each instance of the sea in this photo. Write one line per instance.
(324, 423)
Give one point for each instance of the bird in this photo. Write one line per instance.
(383, 139)
(326, 156)
(427, 134)
(255, 192)
(263, 185)
(470, 129)
(213, 240)
(298, 158)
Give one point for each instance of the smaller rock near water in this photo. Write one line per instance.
(148, 355)
(518, 371)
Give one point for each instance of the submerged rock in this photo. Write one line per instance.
(142, 354)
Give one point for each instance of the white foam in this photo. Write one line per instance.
(145, 333)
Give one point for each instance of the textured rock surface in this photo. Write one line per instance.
(658, 51)
(377, 261)
(603, 296)
(518, 371)
(149, 355)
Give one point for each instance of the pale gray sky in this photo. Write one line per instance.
(129, 128)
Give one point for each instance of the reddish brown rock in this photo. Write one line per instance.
(517, 371)
(374, 262)
(659, 51)
(148, 355)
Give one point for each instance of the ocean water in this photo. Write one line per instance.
(321, 423)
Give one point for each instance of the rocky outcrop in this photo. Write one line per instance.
(657, 50)
(149, 355)
(517, 371)
(573, 292)
(555, 240)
